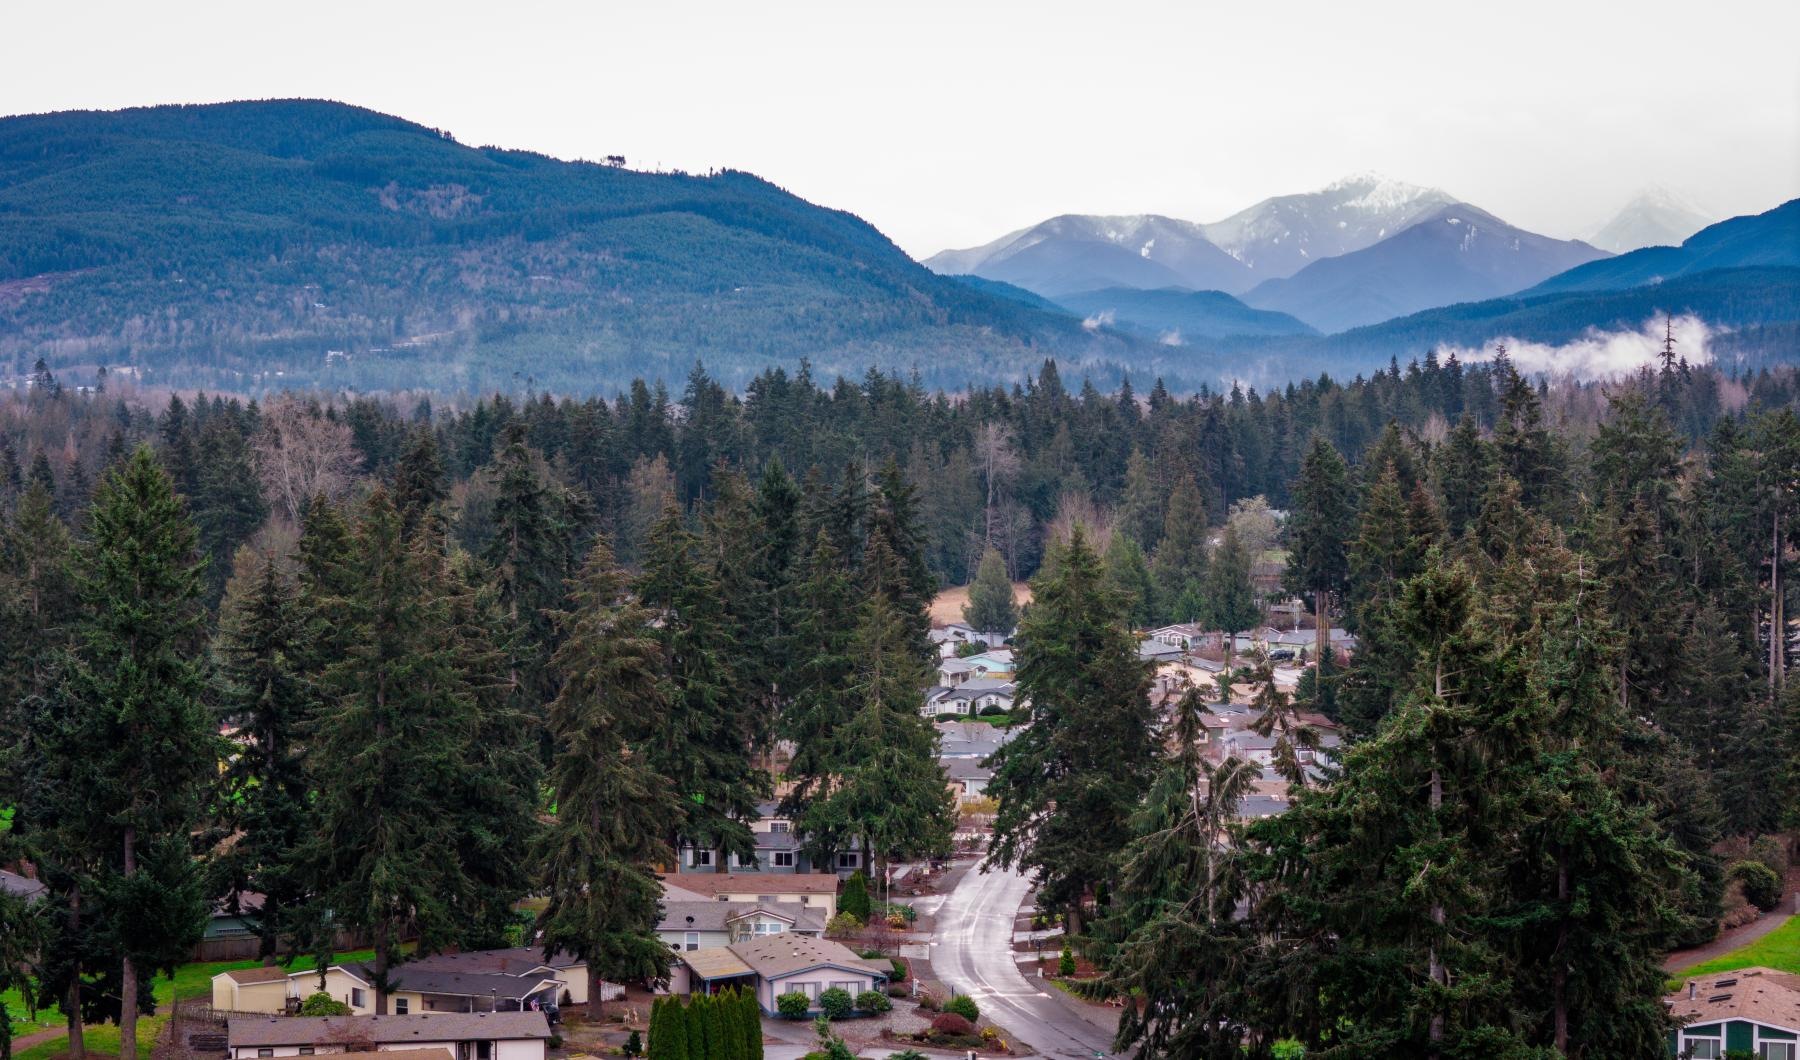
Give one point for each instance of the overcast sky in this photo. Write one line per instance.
(949, 123)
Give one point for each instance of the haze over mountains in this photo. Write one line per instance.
(1655, 217)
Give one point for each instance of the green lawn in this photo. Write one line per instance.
(1779, 949)
(189, 981)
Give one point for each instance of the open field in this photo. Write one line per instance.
(1779, 949)
(947, 606)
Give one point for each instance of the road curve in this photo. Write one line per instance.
(972, 953)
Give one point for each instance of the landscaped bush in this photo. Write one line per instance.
(907, 1054)
(323, 1004)
(1065, 964)
(963, 1005)
(793, 1005)
(952, 1023)
(1771, 851)
(843, 924)
(929, 1002)
(1762, 888)
(897, 990)
(837, 1003)
(855, 897)
(901, 969)
(873, 1002)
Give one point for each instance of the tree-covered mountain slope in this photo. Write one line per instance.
(233, 245)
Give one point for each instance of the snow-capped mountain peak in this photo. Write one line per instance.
(1280, 236)
(1655, 216)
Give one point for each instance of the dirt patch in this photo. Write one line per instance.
(947, 606)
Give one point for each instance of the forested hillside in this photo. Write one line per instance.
(529, 646)
(247, 245)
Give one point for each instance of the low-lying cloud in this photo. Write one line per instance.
(1603, 354)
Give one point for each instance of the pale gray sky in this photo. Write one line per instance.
(948, 123)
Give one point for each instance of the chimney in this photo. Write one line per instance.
(1693, 988)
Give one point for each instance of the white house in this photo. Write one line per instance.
(971, 697)
(813, 891)
(779, 964)
(461, 1035)
(688, 926)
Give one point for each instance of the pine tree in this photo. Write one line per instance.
(612, 809)
(136, 687)
(1068, 783)
(1141, 503)
(419, 481)
(270, 699)
(1231, 604)
(1465, 471)
(750, 1020)
(991, 608)
(227, 501)
(1129, 575)
(37, 610)
(392, 740)
(702, 742)
(1319, 528)
(529, 553)
(819, 703)
(1179, 568)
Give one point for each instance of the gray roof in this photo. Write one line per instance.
(784, 954)
(716, 916)
(1254, 806)
(515, 960)
(22, 886)
(965, 769)
(425, 979)
(970, 739)
(385, 1030)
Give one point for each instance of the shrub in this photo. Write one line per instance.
(855, 897)
(873, 1001)
(929, 1001)
(907, 1054)
(793, 1005)
(901, 969)
(323, 1004)
(988, 1034)
(843, 924)
(634, 1045)
(1761, 886)
(952, 1023)
(896, 990)
(555, 1041)
(1065, 964)
(963, 1005)
(1771, 851)
(836, 1003)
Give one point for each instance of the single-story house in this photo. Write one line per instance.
(419, 987)
(956, 634)
(1155, 651)
(688, 926)
(816, 891)
(265, 989)
(1752, 1010)
(1187, 635)
(969, 739)
(463, 1035)
(972, 697)
(780, 964)
(967, 776)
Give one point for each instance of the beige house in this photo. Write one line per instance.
(814, 891)
(461, 1035)
(696, 925)
(787, 963)
(252, 990)
(419, 989)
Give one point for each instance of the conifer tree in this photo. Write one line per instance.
(419, 480)
(1231, 605)
(227, 502)
(135, 687)
(612, 809)
(268, 696)
(1179, 568)
(991, 608)
(1464, 471)
(528, 554)
(392, 740)
(1319, 528)
(1070, 780)
(37, 609)
(1129, 575)
(819, 703)
(1141, 503)
(702, 742)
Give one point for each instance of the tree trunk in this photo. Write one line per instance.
(128, 980)
(382, 945)
(596, 1003)
(1321, 634)
(1559, 976)
(77, 1036)
(1439, 975)
(1230, 650)
(1777, 634)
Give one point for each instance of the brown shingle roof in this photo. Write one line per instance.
(774, 955)
(1763, 995)
(717, 883)
(246, 976)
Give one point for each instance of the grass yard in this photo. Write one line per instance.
(189, 981)
(1779, 949)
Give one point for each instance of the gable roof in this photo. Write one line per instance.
(247, 976)
(426, 979)
(714, 962)
(713, 884)
(717, 916)
(1761, 995)
(776, 955)
(22, 886)
(382, 1030)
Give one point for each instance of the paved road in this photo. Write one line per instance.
(973, 953)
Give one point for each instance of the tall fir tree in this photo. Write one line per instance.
(1319, 528)
(991, 608)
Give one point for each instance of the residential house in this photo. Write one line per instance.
(420, 987)
(1151, 650)
(816, 891)
(696, 925)
(1752, 1011)
(970, 739)
(968, 777)
(265, 989)
(1188, 636)
(972, 697)
(21, 886)
(779, 964)
(461, 1035)
(778, 851)
(953, 636)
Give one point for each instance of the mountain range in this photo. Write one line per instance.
(246, 246)
(1655, 217)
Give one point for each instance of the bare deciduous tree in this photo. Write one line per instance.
(999, 463)
(301, 454)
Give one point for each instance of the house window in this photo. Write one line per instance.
(784, 859)
(1775, 1051)
(357, 998)
(811, 990)
(265, 1052)
(691, 940)
(700, 859)
(849, 861)
(1703, 1048)
(779, 827)
(306, 1050)
(849, 986)
(484, 1051)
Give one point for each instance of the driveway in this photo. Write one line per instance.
(973, 953)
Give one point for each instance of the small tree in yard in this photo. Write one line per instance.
(991, 608)
(963, 1005)
(750, 1022)
(855, 899)
(668, 1030)
(634, 1046)
(323, 1004)
(1065, 965)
